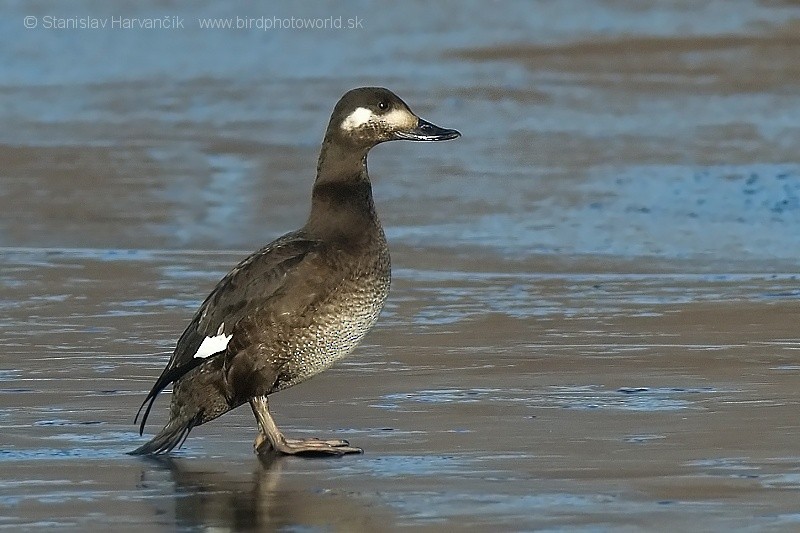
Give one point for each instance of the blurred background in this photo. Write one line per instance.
(665, 129)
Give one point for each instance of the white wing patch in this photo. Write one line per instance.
(357, 118)
(213, 344)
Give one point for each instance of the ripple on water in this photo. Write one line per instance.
(436, 506)
(407, 465)
(774, 473)
(627, 398)
(32, 454)
(574, 397)
(449, 297)
(9, 374)
(786, 480)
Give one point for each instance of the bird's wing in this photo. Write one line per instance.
(247, 287)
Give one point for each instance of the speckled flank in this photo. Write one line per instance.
(339, 325)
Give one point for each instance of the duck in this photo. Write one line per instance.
(301, 303)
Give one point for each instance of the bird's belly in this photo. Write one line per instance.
(336, 328)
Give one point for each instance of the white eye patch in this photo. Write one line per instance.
(357, 118)
(400, 119)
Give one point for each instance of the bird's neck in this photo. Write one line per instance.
(342, 207)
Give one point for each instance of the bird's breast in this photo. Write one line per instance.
(337, 322)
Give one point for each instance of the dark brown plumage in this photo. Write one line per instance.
(293, 308)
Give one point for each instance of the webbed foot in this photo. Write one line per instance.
(271, 439)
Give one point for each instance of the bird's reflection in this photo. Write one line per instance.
(261, 500)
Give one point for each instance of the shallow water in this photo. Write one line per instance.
(593, 319)
(484, 399)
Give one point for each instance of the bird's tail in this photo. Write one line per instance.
(170, 437)
(197, 398)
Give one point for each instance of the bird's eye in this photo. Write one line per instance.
(383, 105)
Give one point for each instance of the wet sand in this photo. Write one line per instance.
(484, 400)
(593, 320)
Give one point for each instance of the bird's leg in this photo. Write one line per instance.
(269, 435)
